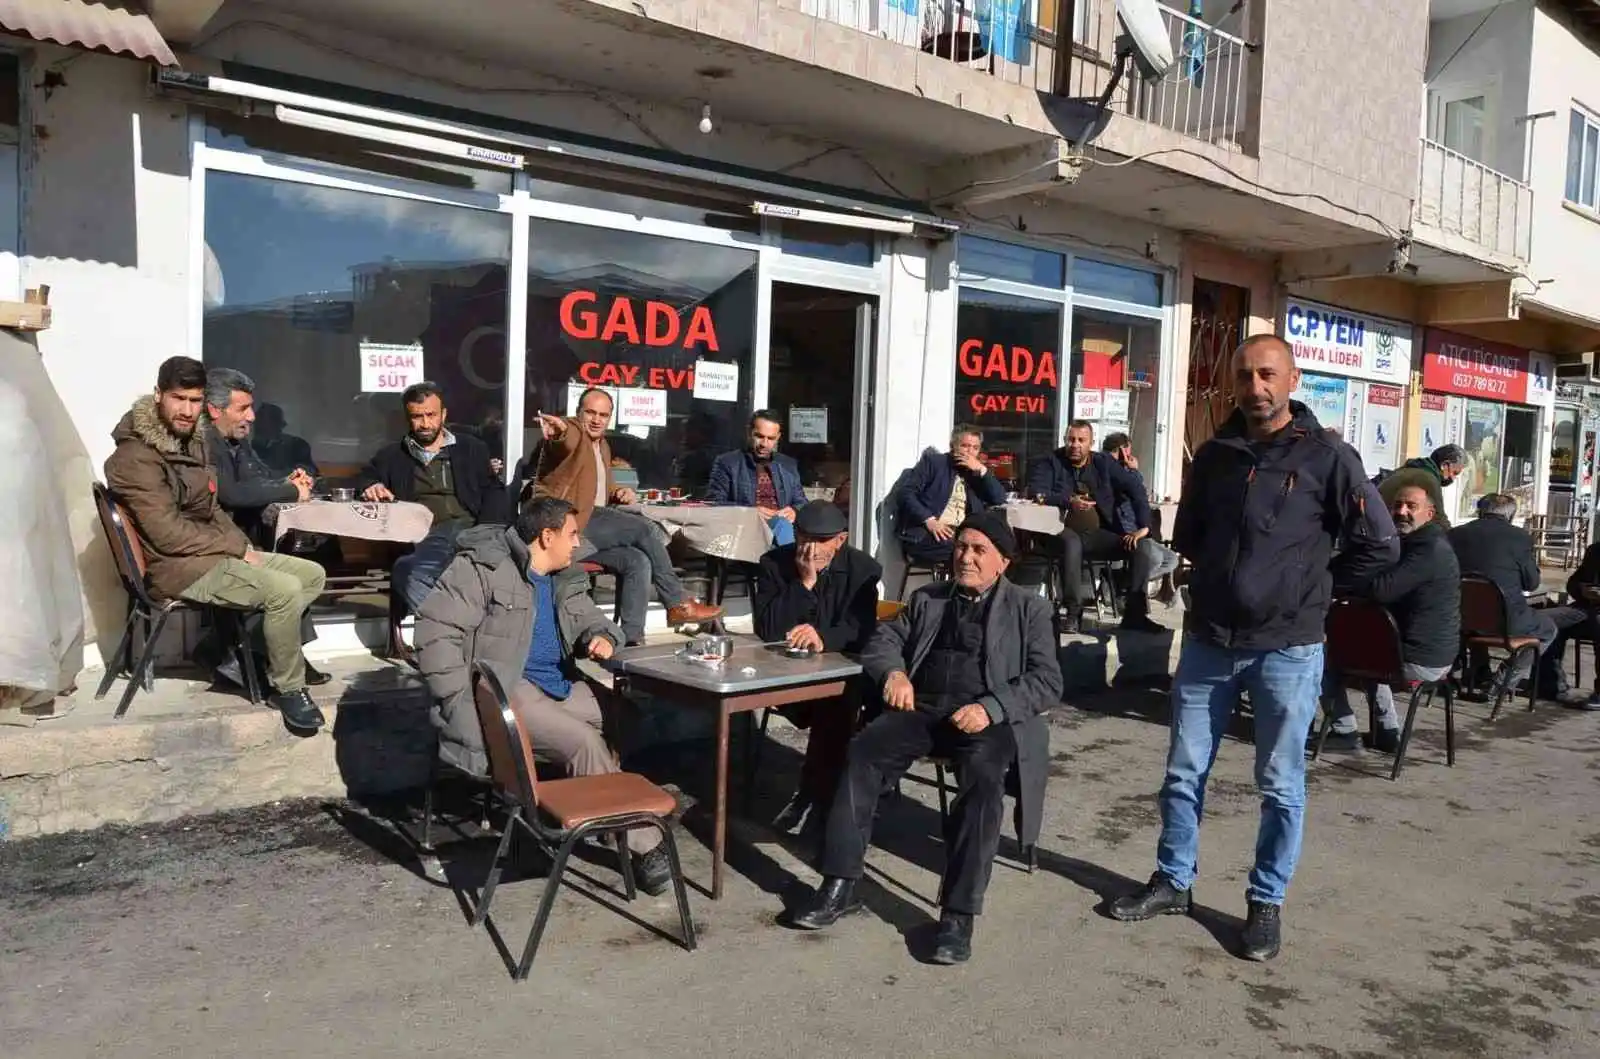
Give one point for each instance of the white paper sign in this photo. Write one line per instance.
(715, 381)
(1088, 404)
(1116, 406)
(808, 426)
(641, 407)
(576, 391)
(389, 368)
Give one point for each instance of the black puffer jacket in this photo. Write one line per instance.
(1260, 521)
(1423, 592)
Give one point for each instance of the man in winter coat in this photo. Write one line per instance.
(761, 477)
(162, 474)
(1266, 502)
(449, 474)
(1423, 592)
(818, 594)
(512, 599)
(966, 673)
(943, 489)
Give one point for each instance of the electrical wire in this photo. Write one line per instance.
(1484, 21)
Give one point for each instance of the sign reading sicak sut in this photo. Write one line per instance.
(1331, 341)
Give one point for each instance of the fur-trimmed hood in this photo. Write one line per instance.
(143, 423)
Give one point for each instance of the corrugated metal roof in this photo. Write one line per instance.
(110, 25)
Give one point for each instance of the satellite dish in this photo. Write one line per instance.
(1147, 40)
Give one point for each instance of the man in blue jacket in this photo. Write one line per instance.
(1267, 501)
(761, 477)
(943, 489)
(1088, 487)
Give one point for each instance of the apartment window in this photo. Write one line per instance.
(1583, 146)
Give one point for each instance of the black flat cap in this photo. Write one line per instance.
(819, 520)
(994, 526)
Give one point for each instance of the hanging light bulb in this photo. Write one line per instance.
(705, 119)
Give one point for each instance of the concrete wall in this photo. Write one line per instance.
(1566, 240)
(1339, 101)
(1487, 52)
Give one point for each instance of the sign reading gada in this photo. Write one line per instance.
(1332, 341)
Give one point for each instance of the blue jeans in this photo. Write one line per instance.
(414, 575)
(782, 531)
(1283, 687)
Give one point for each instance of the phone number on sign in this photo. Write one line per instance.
(1462, 380)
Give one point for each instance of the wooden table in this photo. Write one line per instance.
(754, 678)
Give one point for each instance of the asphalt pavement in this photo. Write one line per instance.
(1453, 914)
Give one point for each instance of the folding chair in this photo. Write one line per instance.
(149, 617)
(1486, 625)
(558, 814)
(1364, 648)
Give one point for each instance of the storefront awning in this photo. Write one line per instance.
(122, 28)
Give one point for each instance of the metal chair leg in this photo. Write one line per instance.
(1533, 677)
(121, 661)
(630, 888)
(247, 656)
(1449, 723)
(496, 868)
(427, 804)
(1322, 733)
(680, 891)
(1502, 684)
(141, 672)
(148, 640)
(944, 794)
(1405, 735)
(547, 902)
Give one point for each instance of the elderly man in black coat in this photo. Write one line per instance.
(1423, 593)
(965, 673)
(818, 594)
(1492, 546)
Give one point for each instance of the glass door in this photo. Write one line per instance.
(821, 362)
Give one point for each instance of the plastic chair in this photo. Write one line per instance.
(1486, 625)
(558, 814)
(1364, 649)
(149, 616)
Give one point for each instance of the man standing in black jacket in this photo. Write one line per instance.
(1423, 592)
(1492, 546)
(1266, 502)
(1584, 588)
(818, 594)
(450, 475)
(1088, 487)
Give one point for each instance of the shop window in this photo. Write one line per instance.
(1583, 148)
(335, 153)
(303, 285)
(1328, 399)
(1116, 362)
(666, 325)
(1116, 282)
(981, 258)
(844, 246)
(1008, 377)
(1483, 439)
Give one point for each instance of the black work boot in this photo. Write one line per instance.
(1157, 898)
(953, 943)
(1262, 935)
(299, 712)
(834, 899)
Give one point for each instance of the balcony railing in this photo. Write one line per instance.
(1466, 199)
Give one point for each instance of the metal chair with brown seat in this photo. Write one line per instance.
(558, 814)
(1486, 626)
(149, 617)
(1364, 649)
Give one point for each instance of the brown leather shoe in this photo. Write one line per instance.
(692, 612)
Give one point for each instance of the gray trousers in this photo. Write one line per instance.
(572, 730)
(631, 547)
(1344, 718)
